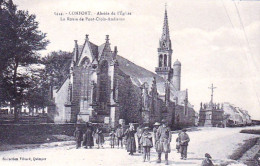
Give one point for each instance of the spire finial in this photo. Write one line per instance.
(86, 36)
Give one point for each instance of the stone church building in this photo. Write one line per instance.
(104, 87)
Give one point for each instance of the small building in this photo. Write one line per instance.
(236, 116)
(211, 115)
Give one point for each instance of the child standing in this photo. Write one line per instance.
(120, 135)
(112, 138)
(78, 135)
(178, 143)
(147, 143)
(99, 137)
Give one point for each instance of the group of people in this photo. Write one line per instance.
(86, 138)
(126, 136)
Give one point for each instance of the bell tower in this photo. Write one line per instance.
(164, 68)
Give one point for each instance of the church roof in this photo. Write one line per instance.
(140, 75)
(80, 48)
(94, 48)
(100, 49)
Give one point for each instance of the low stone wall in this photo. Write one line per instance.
(10, 132)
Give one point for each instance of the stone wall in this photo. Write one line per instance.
(60, 100)
(129, 100)
(182, 119)
(76, 93)
(10, 132)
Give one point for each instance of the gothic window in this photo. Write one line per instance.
(160, 60)
(84, 62)
(165, 60)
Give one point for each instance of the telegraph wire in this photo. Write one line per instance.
(249, 48)
(239, 41)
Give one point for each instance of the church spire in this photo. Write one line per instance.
(166, 33)
(165, 41)
(164, 68)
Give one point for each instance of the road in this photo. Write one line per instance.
(218, 142)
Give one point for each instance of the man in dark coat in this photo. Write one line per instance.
(164, 137)
(78, 136)
(88, 140)
(184, 142)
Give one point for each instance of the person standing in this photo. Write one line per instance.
(130, 139)
(147, 143)
(99, 137)
(120, 135)
(78, 136)
(88, 140)
(139, 134)
(156, 125)
(178, 143)
(112, 138)
(164, 137)
(184, 142)
(207, 161)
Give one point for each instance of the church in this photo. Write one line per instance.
(104, 87)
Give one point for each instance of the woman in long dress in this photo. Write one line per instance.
(130, 139)
(88, 140)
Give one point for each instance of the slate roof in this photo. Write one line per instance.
(140, 75)
(101, 49)
(94, 49)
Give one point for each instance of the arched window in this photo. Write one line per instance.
(85, 61)
(165, 60)
(160, 60)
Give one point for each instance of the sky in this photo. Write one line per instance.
(216, 41)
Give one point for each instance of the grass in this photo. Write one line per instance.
(250, 131)
(31, 141)
(35, 139)
(243, 148)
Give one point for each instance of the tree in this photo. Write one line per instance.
(57, 66)
(20, 40)
(53, 71)
(37, 95)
